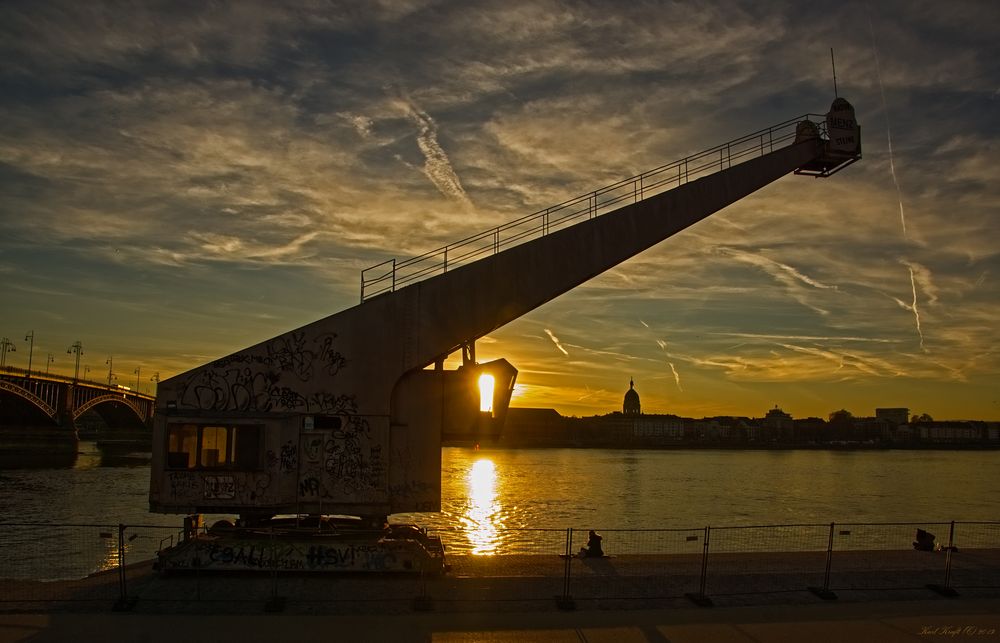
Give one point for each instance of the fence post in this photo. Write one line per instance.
(566, 602)
(946, 589)
(700, 599)
(274, 602)
(824, 592)
(423, 601)
(123, 603)
(393, 274)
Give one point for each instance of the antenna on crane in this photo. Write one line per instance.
(833, 64)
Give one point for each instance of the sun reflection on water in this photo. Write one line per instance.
(483, 517)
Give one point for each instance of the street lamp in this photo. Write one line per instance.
(31, 348)
(48, 361)
(111, 364)
(86, 369)
(136, 371)
(77, 348)
(6, 345)
(156, 380)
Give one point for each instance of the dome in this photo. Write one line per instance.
(631, 404)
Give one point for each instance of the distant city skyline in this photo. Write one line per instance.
(176, 186)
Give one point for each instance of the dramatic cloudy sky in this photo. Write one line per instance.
(182, 180)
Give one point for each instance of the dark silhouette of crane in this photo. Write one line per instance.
(346, 415)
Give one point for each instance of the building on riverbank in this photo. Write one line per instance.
(631, 428)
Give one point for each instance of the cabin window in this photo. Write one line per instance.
(192, 446)
(214, 446)
(182, 447)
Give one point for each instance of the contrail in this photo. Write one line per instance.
(677, 377)
(923, 275)
(644, 323)
(888, 130)
(916, 313)
(555, 340)
(437, 165)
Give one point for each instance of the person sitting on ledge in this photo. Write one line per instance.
(924, 541)
(593, 548)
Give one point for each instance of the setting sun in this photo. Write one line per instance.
(486, 383)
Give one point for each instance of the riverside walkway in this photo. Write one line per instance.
(926, 620)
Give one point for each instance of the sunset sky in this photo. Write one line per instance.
(182, 180)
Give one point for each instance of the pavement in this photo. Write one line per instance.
(930, 619)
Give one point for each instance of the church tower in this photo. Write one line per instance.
(631, 405)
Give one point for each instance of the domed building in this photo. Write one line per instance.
(631, 404)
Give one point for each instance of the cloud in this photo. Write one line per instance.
(677, 377)
(791, 278)
(921, 276)
(437, 165)
(555, 340)
(220, 165)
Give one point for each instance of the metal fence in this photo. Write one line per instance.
(88, 567)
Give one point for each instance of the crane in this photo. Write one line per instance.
(346, 415)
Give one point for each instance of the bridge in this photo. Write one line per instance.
(41, 409)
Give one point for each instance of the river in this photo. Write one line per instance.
(487, 493)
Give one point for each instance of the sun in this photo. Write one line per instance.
(486, 383)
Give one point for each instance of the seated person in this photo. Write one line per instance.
(924, 541)
(593, 548)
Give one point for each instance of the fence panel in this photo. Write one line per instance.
(530, 569)
(95, 566)
(976, 559)
(766, 559)
(62, 564)
(884, 556)
(638, 564)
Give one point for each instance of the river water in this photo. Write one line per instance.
(487, 493)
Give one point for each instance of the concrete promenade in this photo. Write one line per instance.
(882, 596)
(929, 619)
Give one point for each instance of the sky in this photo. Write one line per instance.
(179, 181)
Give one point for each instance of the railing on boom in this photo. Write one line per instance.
(392, 274)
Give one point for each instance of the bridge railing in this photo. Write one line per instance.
(15, 372)
(393, 274)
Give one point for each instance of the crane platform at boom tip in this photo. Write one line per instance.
(345, 416)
